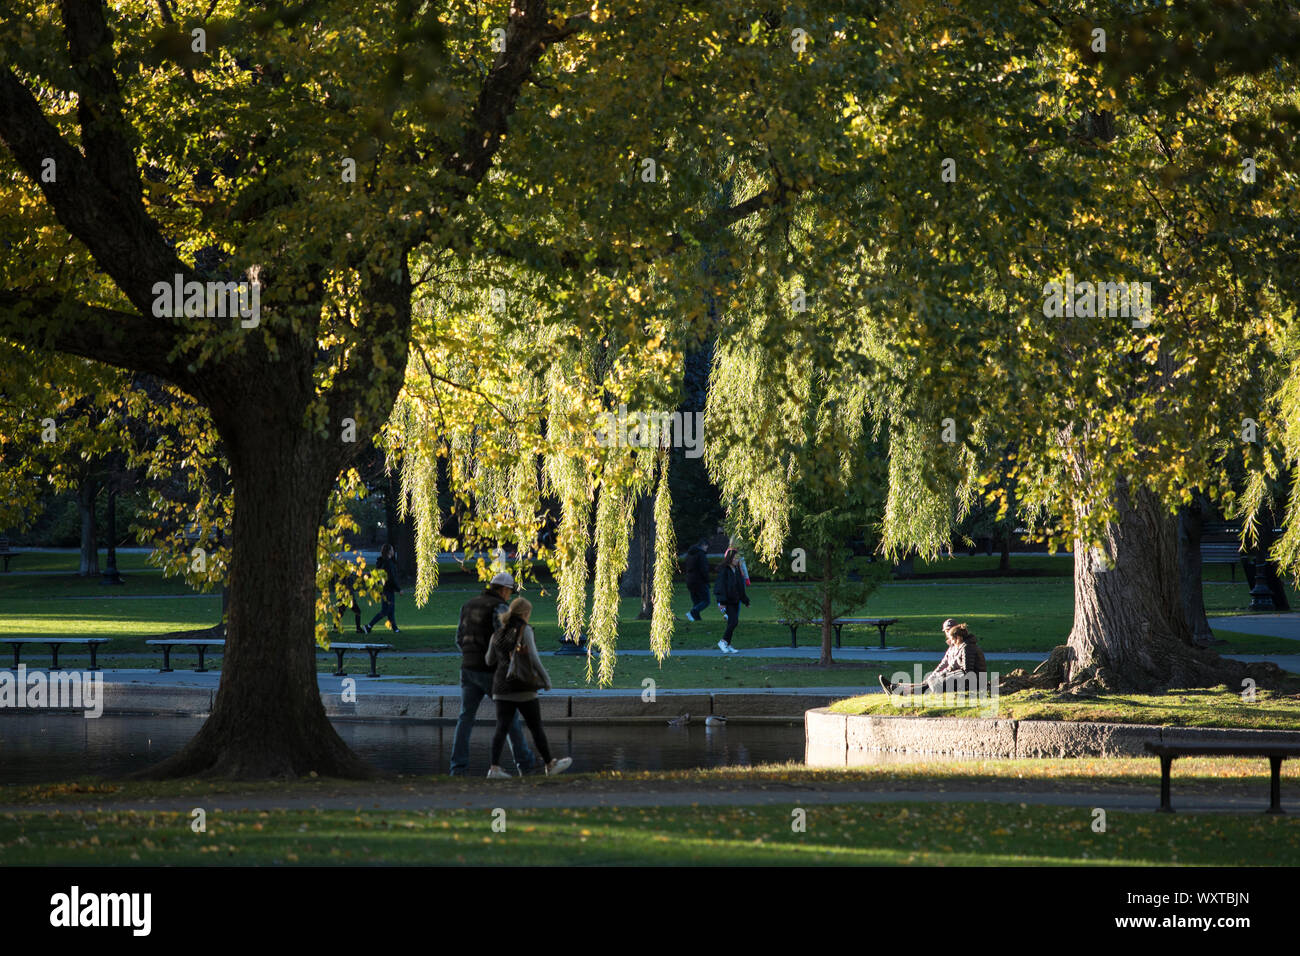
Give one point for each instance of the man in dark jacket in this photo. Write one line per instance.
(479, 618)
(392, 587)
(697, 578)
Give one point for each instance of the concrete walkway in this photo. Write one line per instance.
(1267, 625)
(518, 797)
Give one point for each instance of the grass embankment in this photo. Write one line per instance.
(1029, 615)
(961, 834)
(1213, 707)
(89, 829)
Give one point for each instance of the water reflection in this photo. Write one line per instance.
(44, 747)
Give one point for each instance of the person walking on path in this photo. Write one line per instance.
(731, 594)
(963, 660)
(392, 588)
(516, 695)
(697, 578)
(479, 619)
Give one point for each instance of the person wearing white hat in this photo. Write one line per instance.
(479, 619)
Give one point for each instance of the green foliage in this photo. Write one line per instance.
(840, 592)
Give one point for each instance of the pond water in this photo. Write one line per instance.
(48, 747)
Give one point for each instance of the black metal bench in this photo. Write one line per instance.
(1219, 553)
(54, 644)
(1275, 753)
(7, 554)
(372, 649)
(201, 646)
(880, 622)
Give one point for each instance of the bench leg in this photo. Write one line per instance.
(794, 628)
(1165, 764)
(17, 648)
(837, 635)
(340, 672)
(882, 634)
(54, 650)
(1275, 787)
(167, 659)
(374, 653)
(94, 649)
(201, 669)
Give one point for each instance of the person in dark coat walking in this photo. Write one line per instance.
(392, 588)
(479, 619)
(731, 594)
(697, 578)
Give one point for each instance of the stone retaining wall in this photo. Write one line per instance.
(848, 740)
(197, 701)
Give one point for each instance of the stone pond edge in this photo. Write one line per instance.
(848, 740)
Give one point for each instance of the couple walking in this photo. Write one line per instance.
(499, 660)
(730, 590)
(392, 588)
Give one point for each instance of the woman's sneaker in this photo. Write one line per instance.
(886, 685)
(560, 765)
(731, 649)
(691, 617)
(722, 646)
(497, 773)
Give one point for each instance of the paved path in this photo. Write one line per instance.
(517, 797)
(1269, 625)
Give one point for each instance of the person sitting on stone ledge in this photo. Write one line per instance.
(962, 662)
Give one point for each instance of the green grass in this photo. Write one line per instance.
(1029, 615)
(1215, 707)
(960, 834)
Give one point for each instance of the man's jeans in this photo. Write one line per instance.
(474, 686)
(700, 595)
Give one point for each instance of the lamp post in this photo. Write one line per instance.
(1261, 596)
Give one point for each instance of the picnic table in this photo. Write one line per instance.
(54, 644)
(838, 623)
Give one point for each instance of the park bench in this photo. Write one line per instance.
(880, 622)
(55, 643)
(7, 553)
(1275, 753)
(1220, 553)
(166, 644)
(202, 645)
(372, 649)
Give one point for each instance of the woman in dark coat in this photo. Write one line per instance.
(731, 594)
(516, 637)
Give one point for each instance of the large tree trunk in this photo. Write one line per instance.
(1004, 562)
(87, 492)
(638, 580)
(268, 720)
(1130, 631)
(1191, 587)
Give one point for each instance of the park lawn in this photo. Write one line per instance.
(1212, 707)
(1029, 615)
(907, 833)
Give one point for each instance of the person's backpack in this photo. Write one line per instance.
(521, 673)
